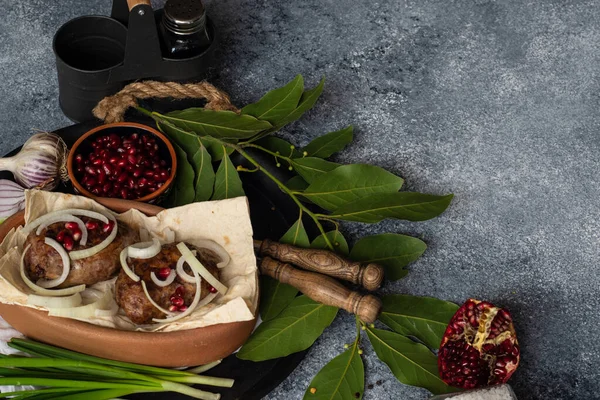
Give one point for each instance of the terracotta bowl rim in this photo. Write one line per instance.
(100, 128)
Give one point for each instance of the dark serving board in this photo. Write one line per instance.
(272, 213)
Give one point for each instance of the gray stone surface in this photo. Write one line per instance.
(494, 101)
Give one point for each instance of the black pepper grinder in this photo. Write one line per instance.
(183, 29)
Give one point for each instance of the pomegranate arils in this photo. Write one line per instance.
(76, 234)
(61, 236)
(173, 308)
(91, 225)
(71, 225)
(212, 289)
(177, 301)
(180, 291)
(479, 347)
(117, 166)
(108, 227)
(182, 308)
(164, 273)
(68, 243)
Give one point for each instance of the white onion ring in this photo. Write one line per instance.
(155, 304)
(200, 269)
(85, 253)
(144, 250)
(47, 284)
(166, 282)
(181, 272)
(55, 302)
(70, 211)
(82, 312)
(66, 218)
(217, 248)
(125, 266)
(41, 290)
(207, 299)
(190, 309)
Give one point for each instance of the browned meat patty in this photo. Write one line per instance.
(130, 295)
(42, 261)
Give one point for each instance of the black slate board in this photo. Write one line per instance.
(272, 213)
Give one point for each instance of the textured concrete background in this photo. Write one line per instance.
(494, 101)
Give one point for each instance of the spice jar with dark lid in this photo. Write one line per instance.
(183, 29)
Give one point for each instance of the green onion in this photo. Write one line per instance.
(70, 375)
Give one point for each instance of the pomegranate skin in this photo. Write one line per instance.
(479, 347)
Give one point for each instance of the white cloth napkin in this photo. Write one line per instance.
(7, 332)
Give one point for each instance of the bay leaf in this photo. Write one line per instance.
(326, 145)
(390, 250)
(307, 101)
(424, 318)
(348, 183)
(215, 148)
(182, 191)
(294, 330)
(204, 180)
(311, 167)
(218, 124)
(296, 235)
(336, 238)
(227, 181)
(402, 205)
(410, 362)
(278, 103)
(296, 183)
(274, 295)
(342, 378)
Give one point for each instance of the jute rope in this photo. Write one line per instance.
(113, 108)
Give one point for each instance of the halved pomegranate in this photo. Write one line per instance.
(479, 347)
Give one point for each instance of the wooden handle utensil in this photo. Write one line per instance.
(323, 289)
(325, 262)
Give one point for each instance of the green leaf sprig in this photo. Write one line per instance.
(354, 192)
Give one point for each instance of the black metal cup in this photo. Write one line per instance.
(87, 50)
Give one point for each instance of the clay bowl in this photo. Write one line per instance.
(83, 146)
(165, 349)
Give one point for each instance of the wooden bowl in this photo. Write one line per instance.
(121, 128)
(165, 349)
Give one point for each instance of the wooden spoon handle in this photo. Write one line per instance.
(324, 289)
(325, 262)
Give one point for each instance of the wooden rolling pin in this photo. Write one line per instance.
(323, 289)
(325, 262)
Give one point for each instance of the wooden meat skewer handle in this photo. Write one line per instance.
(323, 289)
(325, 262)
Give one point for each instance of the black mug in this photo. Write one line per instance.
(87, 50)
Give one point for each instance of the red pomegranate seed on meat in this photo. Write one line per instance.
(71, 225)
(163, 273)
(212, 289)
(182, 308)
(91, 225)
(177, 301)
(108, 227)
(77, 234)
(68, 243)
(172, 308)
(180, 291)
(61, 236)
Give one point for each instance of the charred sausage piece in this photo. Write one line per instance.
(43, 262)
(130, 295)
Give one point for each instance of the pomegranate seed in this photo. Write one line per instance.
(107, 187)
(182, 308)
(173, 308)
(122, 162)
(61, 235)
(132, 151)
(71, 225)
(177, 301)
(163, 273)
(91, 225)
(212, 289)
(76, 234)
(124, 193)
(134, 136)
(90, 170)
(149, 174)
(97, 161)
(180, 291)
(108, 227)
(122, 177)
(108, 169)
(96, 190)
(137, 172)
(78, 158)
(131, 159)
(68, 243)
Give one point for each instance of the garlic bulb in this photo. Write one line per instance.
(12, 198)
(41, 162)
